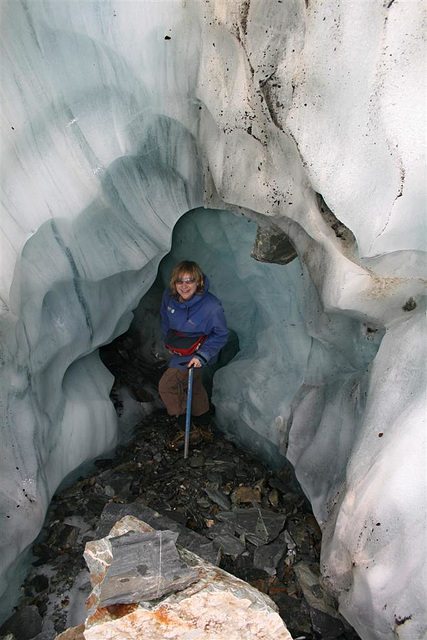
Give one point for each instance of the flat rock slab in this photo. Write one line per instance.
(63, 536)
(259, 526)
(98, 554)
(219, 498)
(267, 557)
(308, 577)
(145, 567)
(326, 626)
(229, 545)
(219, 529)
(191, 540)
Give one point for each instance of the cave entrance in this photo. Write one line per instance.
(285, 352)
(266, 331)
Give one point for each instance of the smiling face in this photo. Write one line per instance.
(186, 287)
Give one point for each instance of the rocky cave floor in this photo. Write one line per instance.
(195, 493)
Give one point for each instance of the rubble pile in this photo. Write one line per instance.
(224, 505)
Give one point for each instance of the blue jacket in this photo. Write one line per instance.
(202, 315)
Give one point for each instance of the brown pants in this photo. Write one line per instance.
(173, 391)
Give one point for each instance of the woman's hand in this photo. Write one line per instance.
(194, 362)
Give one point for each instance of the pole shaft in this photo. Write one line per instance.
(188, 414)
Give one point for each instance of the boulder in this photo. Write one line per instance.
(216, 606)
(25, 624)
(74, 633)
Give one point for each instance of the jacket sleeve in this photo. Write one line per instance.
(164, 316)
(217, 337)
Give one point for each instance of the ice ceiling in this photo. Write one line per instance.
(118, 118)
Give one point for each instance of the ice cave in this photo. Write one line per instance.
(281, 145)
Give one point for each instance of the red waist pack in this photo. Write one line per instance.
(183, 344)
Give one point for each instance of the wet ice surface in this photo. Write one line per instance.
(224, 503)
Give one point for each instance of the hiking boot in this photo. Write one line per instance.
(177, 442)
(203, 424)
(207, 434)
(197, 436)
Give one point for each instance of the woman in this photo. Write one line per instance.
(189, 308)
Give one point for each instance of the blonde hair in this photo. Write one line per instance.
(193, 270)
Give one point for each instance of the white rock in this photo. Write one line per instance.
(216, 607)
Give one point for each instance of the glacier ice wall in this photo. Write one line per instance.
(94, 180)
(119, 118)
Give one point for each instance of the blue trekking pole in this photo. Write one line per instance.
(188, 414)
